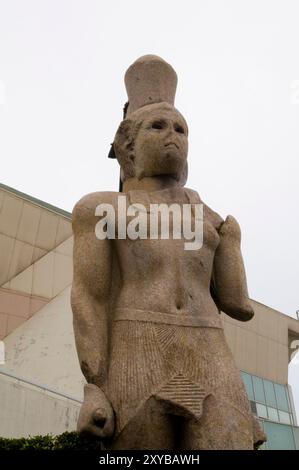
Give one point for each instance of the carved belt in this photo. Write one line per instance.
(122, 314)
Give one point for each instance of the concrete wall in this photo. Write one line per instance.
(27, 410)
(27, 232)
(35, 256)
(42, 350)
(261, 346)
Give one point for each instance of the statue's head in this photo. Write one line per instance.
(153, 141)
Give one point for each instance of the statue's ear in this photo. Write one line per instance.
(123, 141)
(123, 147)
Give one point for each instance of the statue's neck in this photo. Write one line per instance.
(153, 183)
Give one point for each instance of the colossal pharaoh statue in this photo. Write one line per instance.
(149, 336)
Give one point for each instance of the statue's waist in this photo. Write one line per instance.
(183, 319)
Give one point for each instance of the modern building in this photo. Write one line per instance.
(41, 385)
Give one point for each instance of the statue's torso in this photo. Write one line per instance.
(160, 275)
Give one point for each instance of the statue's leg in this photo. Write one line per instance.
(221, 427)
(151, 428)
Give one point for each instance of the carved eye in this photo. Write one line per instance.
(157, 125)
(179, 129)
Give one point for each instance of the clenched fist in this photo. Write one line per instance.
(96, 415)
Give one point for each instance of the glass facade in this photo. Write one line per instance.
(280, 436)
(271, 404)
(271, 399)
(270, 393)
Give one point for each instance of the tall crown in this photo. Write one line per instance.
(150, 80)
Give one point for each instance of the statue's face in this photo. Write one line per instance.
(161, 143)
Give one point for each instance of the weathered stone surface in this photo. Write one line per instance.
(146, 312)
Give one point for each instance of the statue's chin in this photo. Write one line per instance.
(151, 174)
(170, 165)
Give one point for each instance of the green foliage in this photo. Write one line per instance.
(65, 441)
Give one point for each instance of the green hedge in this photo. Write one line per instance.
(65, 441)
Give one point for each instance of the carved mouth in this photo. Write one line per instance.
(172, 144)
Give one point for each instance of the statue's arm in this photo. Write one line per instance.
(90, 294)
(229, 285)
(90, 305)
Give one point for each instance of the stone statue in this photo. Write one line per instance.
(149, 336)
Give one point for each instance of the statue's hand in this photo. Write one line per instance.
(96, 415)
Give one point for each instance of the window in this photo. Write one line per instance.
(273, 414)
(281, 397)
(261, 411)
(270, 393)
(268, 400)
(258, 388)
(284, 417)
(279, 436)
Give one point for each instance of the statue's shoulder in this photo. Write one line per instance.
(209, 215)
(84, 210)
(215, 219)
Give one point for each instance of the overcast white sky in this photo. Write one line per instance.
(61, 96)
